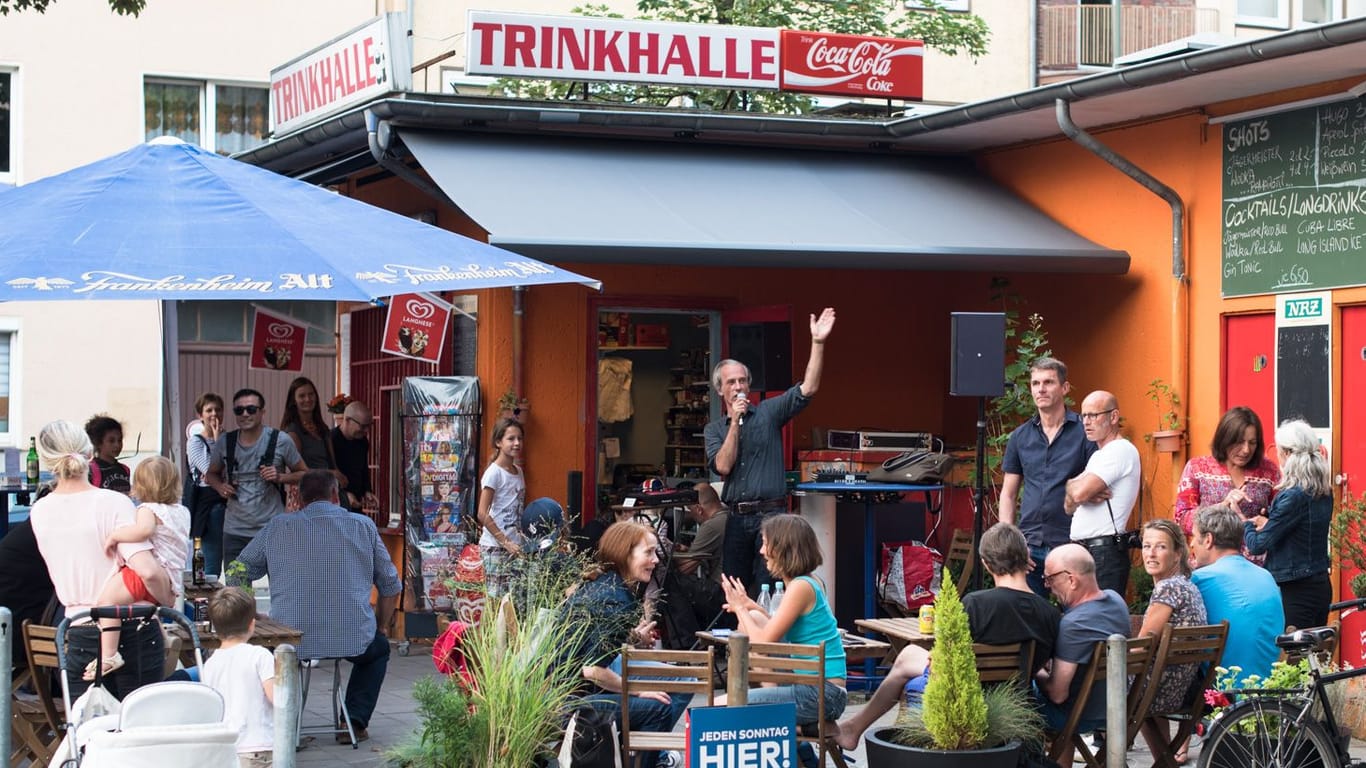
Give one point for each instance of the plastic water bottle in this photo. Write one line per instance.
(777, 598)
(765, 600)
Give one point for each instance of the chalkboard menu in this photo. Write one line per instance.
(1294, 212)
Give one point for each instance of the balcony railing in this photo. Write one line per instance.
(1073, 36)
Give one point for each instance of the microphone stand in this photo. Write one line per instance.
(979, 491)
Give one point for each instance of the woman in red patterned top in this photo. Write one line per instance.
(1238, 474)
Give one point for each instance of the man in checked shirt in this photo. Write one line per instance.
(322, 562)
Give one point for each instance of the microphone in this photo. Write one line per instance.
(741, 418)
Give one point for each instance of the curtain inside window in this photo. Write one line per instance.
(240, 122)
(172, 109)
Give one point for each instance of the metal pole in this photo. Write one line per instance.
(288, 701)
(1116, 700)
(6, 651)
(737, 670)
(979, 492)
(1117, 31)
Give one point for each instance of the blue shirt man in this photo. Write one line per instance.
(1236, 591)
(322, 562)
(1041, 455)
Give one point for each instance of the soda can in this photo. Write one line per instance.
(927, 619)
(201, 610)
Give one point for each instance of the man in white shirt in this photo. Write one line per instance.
(1101, 498)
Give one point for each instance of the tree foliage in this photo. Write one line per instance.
(950, 33)
(121, 7)
(955, 711)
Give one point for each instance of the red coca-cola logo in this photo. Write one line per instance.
(852, 64)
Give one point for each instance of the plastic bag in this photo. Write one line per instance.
(910, 575)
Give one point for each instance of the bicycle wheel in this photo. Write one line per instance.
(1262, 731)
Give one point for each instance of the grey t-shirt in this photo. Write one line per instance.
(256, 501)
(1081, 627)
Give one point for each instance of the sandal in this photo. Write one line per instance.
(111, 664)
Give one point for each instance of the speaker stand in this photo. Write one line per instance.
(979, 491)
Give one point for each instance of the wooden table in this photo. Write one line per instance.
(268, 634)
(201, 591)
(900, 632)
(855, 648)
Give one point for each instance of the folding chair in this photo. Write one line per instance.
(669, 671)
(1141, 652)
(341, 718)
(792, 664)
(38, 724)
(1202, 645)
(960, 551)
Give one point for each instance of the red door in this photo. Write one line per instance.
(1352, 452)
(1249, 362)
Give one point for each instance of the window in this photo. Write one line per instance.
(7, 142)
(229, 322)
(9, 340)
(178, 108)
(1264, 13)
(1324, 11)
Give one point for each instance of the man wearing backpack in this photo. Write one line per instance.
(246, 468)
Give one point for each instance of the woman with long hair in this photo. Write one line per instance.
(1177, 602)
(72, 525)
(502, 495)
(610, 612)
(792, 554)
(1237, 472)
(1294, 533)
(303, 422)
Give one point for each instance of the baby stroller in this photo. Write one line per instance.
(170, 723)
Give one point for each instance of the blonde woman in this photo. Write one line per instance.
(1177, 602)
(72, 525)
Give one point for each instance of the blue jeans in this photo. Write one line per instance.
(1035, 577)
(804, 696)
(212, 541)
(232, 547)
(140, 643)
(367, 675)
(740, 551)
(646, 714)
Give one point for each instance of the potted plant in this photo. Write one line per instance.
(1345, 537)
(510, 406)
(337, 407)
(1169, 436)
(959, 723)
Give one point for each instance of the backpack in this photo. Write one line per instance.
(267, 458)
(914, 468)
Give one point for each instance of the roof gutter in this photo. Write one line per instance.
(1180, 322)
(1140, 75)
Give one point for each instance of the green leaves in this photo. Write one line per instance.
(121, 7)
(955, 711)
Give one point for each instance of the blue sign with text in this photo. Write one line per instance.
(756, 736)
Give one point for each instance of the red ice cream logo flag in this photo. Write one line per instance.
(416, 326)
(277, 343)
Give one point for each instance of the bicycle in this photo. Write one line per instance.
(1287, 728)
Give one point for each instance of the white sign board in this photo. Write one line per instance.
(621, 50)
(366, 62)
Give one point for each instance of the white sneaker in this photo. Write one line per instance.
(670, 759)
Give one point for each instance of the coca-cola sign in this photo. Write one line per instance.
(852, 65)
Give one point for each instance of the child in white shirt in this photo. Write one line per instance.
(244, 674)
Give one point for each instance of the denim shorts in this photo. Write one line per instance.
(805, 698)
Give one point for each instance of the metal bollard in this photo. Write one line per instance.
(6, 651)
(1116, 700)
(737, 670)
(288, 701)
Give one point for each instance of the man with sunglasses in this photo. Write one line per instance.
(261, 458)
(1101, 498)
(351, 447)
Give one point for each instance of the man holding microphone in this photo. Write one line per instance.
(745, 447)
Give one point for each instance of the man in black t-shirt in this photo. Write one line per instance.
(1009, 613)
(351, 447)
(25, 587)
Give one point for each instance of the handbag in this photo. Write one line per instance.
(914, 468)
(590, 740)
(910, 575)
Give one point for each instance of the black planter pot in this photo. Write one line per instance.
(884, 753)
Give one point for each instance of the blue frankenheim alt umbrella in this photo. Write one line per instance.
(168, 220)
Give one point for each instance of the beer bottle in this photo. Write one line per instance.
(198, 560)
(32, 474)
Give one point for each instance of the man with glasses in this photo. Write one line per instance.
(246, 467)
(1101, 498)
(703, 557)
(1090, 615)
(351, 447)
(1040, 456)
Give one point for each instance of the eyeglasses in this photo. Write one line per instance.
(1097, 414)
(361, 424)
(241, 409)
(1049, 577)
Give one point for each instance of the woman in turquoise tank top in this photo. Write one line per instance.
(791, 552)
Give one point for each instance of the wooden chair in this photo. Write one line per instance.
(37, 724)
(961, 551)
(1202, 645)
(669, 671)
(1142, 652)
(1005, 663)
(792, 664)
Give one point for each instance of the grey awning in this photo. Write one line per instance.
(654, 203)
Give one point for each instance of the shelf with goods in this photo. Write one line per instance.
(684, 447)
